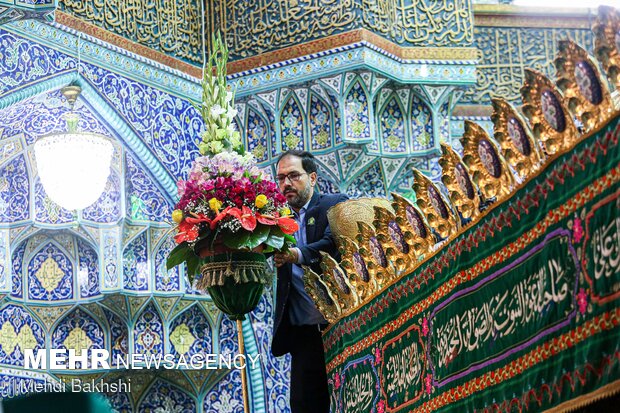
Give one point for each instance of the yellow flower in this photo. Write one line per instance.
(177, 216)
(215, 205)
(285, 212)
(261, 201)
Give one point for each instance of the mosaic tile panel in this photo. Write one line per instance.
(226, 396)
(78, 331)
(392, 126)
(120, 402)
(258, 132)
(190, 333)
(337, 134)
(444, 125)
(19, 331)
(228, 337)
(164, 397)
(118, 335)
(16, 270)
(292, 125)
(148, 332)
(5, 260)
(421, 125)
(320, 122)
(136, 271)
(111, 255)
(369, 183)
(50, 275)
(14, 194)
(88, 270)
(273, 138)
(326, 186)
(168, 124)
(357, 124)
(144, 199)
(166, 280)
(19, 71)
(10, 146)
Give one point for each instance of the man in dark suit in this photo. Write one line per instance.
(298, 323)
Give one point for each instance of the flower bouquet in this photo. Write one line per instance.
(229, 213)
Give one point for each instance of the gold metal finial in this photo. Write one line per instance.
(71, 93)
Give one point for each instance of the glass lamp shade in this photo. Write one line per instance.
(73, 167)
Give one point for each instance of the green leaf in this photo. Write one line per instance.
(193, 267)
(179, 255)
(238, 241)
(258, 236)
(275, 240)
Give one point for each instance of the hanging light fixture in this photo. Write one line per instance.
(73, 166)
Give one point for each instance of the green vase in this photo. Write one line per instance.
(235, 280)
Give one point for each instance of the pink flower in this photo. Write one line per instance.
(381, 406)
(425, 328)
(582, 301)
(428, 384)
(577, 230)
(377, 356)
(180, 188)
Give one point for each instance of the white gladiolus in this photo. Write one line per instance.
(229, 97)
(231, 114)
(216, 111)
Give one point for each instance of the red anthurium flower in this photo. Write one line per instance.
(199, 218)
(187, 232)
(248, 220)
(220, 217)
(266, 219)
(288, 225)
(235, 212)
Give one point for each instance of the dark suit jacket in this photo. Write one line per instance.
(318, 238)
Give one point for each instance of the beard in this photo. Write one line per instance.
(300, 198)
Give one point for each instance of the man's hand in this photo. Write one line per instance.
(290, 256)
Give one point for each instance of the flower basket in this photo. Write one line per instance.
(235, 280)
(240, 266)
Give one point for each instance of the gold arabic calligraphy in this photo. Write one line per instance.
(422, 22)
(506, 52)
(170, 26)
(264, 25)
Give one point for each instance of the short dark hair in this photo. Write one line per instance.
(308, 162)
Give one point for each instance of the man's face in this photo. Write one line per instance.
(298, 186)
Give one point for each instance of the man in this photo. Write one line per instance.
(298, 323)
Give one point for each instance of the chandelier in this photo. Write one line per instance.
(73, 166)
